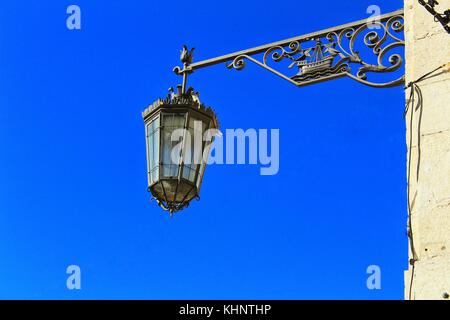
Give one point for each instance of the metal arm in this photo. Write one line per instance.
(323, 55)
(443, 18)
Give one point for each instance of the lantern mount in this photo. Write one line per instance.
(324, 55)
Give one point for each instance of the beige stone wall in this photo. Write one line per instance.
(427, 47)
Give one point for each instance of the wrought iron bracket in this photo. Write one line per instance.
(443, 18)
(324, 55)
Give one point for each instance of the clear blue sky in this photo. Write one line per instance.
(73, 168)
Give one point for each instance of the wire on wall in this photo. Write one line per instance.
(412, 106)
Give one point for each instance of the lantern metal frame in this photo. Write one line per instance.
(186, 104)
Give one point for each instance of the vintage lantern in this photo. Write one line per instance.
(179, 132)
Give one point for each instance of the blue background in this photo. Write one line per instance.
(73, 168)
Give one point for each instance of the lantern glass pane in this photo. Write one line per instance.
(193, 150)
(153, 149)
(203, 167)
(207, 146)
(171, 122)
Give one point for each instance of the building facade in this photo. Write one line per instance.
(428, 140)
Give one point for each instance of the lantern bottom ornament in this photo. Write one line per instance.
(179, 134)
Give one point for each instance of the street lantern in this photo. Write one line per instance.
(175, 177)
(179, 133)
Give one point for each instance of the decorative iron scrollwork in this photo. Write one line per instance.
(333, 54)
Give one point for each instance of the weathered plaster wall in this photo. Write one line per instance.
(427, 47)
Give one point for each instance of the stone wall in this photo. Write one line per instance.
(428, 47)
